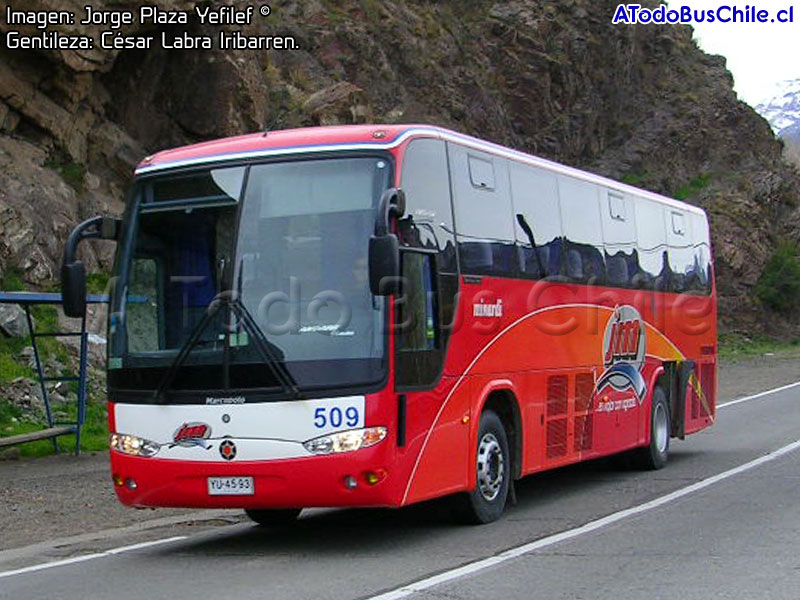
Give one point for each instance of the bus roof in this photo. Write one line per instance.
(361, 137)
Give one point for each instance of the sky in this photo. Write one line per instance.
(759, 55)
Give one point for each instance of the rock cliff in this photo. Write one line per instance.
(638, 103)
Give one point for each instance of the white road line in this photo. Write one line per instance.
(176, 538)
(39, 548)
(85, 557)
(479, 565)
(759, 395)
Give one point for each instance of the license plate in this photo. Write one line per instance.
(230, 486)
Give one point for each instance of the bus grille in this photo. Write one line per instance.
(557, 438)
(557, 388)
(583, 433)
(584, 388)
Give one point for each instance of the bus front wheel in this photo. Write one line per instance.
(655, 454)
(273, 517)
(487, 501)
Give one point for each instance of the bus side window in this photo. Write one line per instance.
(681, 252)
(428, 222)
(538, 231)
(580, 215)
(619, 237)
(418, 318)
(144, 305)
(702, 255)
(651, 242)
(483, 212)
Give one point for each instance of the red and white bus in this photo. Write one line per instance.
(380, 315)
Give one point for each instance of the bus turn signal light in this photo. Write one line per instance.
(374, 477)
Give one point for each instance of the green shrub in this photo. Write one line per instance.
(634, 179)
(97, 283)
(779, 284)
(12, 281)
(696, 185)
(11, 365)
(8, 411)
(72, 173)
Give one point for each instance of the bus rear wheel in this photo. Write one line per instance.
(487, 501)
(273, 517)
(654, 456)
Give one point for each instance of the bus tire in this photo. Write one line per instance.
(273, 517)
(654, 456)
(487, 501)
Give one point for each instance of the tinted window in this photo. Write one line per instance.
(619, 236)
(428, 222)
(681, 251)
(418, 315)
(580, 215)
(319, 188)
(652, 245)
(702, 254)
(483, 214)
(217, 185)
(420, 339)
(303, 251)
(298, 267)
(143, 333)
(538, 233)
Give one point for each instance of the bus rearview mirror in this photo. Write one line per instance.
(73, 289)
(384, 264)
(73, 273)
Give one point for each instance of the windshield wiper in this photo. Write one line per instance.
(188, 346)
(264, 348)
(283, 377)
(266, 351)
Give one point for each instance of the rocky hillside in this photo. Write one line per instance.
(641, 104)
(791, 143)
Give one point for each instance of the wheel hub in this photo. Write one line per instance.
(491, 467)
(660, 428)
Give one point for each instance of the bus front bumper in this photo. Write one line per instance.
(358, 478)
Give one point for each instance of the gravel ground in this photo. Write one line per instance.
(58, 496)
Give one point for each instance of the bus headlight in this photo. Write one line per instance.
(346, 441)
(130, 444)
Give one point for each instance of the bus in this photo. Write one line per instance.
(378, 315)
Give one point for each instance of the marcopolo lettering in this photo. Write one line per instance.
(488, 310)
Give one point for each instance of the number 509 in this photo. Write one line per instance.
(335, 417)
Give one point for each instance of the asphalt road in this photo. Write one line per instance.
(734, 538)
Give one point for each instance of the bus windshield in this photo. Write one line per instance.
(235, 267)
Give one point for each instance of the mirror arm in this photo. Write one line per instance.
(392, 205)
(384, 250)
(103, 228)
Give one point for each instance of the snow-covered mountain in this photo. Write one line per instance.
(782, 106)
(782, 109)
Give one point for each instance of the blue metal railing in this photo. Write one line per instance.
(54, 429)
